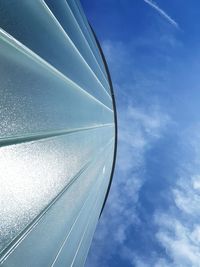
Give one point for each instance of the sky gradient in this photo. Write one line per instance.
(152, 216)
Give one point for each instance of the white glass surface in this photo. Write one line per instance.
(73, 246)
(32, 174)
(64, 220)
(86, 239)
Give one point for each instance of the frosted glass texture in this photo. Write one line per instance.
(57, 133)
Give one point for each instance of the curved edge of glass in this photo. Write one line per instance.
(115, 116)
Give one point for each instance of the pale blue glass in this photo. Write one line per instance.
(65, 16)
(86, 30)
(65, 219)
(50, 42)
(84, 244)
(72, 247)
(35, 98)
(33, 174)
(57, 134)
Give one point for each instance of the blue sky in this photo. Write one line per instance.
(152, 216)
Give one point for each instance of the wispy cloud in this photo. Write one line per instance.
(180, 239)
(137, 132)
(179, 226)
(139, 128)
(162, 13)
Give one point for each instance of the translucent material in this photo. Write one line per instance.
(33, 174)
(34, 18)
(35, 98)
(66, 18)
(80, 200)
(75, 7)
(57, 134)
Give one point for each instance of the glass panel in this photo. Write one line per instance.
(33, 24)
(67, 19)
(85, 242)
(33, 98)
(56, 133)
(33, 174)
(81, 21)
(73, 244)
(62, 220)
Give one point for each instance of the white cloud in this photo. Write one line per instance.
(179, 240)
(187, 199)
(141, 125)
(139, 128)
(162, 13)
(162, 263)
(179, 226)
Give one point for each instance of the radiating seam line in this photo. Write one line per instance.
(72, 227)
(21, 236)
(86, 41)
(69, 39)
(16, 241)
(35, 57)
(82, 15)
(13, 140)
(85, 230)
(66, 36)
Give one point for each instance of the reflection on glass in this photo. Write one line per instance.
(56, 133)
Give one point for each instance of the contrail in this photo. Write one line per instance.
(162, 13)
